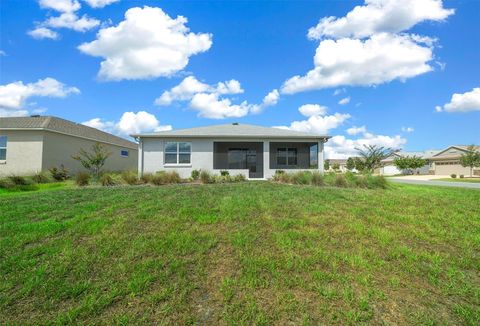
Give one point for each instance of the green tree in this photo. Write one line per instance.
(470, 159)
(373, 155)
(94, 160)
(350, 165)
(336, 166)
(359, 165)
(409, 163)
(326, 165)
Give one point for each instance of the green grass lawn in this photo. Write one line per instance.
(473, 180)
(246, 253)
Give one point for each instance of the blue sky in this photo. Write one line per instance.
(261, 45)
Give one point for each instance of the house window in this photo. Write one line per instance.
(287, 156)
(178, 152)
(3, 148)
(124, 153)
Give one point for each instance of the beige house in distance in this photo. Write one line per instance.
(447, 162)
(38, 143)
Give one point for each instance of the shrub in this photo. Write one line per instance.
(239, 178)
(173, 177)
(82, 179)
(41, 177)
(59, 174)
(206, 177)
(163, 177)
(195, 174)
(340, 181)
(453, 175)
(302, 178)
(130, 177)
(146, 178)
(282, 176)
(224, 173)
(107, 180)
(361, 181)
(462, 176)
(378, 181)
(19, 180)
(317, 179)
(6, 183)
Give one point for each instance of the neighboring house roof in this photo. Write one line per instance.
(233, 130)
(63, 126)
(462, 148)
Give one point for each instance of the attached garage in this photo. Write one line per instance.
(447, 162)
(450, 167)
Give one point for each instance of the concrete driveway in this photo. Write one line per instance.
(429, 180)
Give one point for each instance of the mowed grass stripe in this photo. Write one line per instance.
(247, 253)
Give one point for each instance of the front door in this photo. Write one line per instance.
(252, 166)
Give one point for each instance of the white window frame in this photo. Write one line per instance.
(5, 148)
(178, 153)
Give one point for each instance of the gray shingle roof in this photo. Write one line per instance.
(64, 126)
(232, 131)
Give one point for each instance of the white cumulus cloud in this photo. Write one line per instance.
(342, 147)
(67, 19)
(60, 5)
(191, 86)
(317, 122)
(309, 110)
(210, 100)
(408, 129)
(382, 58)
(378, 16)
(43, 32)
(70, 20)
(271, 98)
(13, 96)
(344, 101)
(147, 44)
(100, 3)
(356, 130)
(462, 102)
(129, 123)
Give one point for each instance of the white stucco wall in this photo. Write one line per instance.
(151, 157)
(24, 152)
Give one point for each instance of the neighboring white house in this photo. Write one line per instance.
(254, 151)
(389, 167)
(38, 143)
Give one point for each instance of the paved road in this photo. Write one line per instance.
(438, 183)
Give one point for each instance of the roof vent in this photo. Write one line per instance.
(35, 116)
(235, 123)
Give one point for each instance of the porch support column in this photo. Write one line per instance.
(266, 159)
(140, 157)
(320, 157)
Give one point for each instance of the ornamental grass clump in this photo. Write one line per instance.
(82, 179)
(41, 177)
(130, 177)
(107, 180)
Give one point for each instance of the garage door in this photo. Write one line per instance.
(390, 170)
(450, 169)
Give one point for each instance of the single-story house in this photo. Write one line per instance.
(389, 167)
(340, 162)
(447, 162)
(38, 143)
(254, 151)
